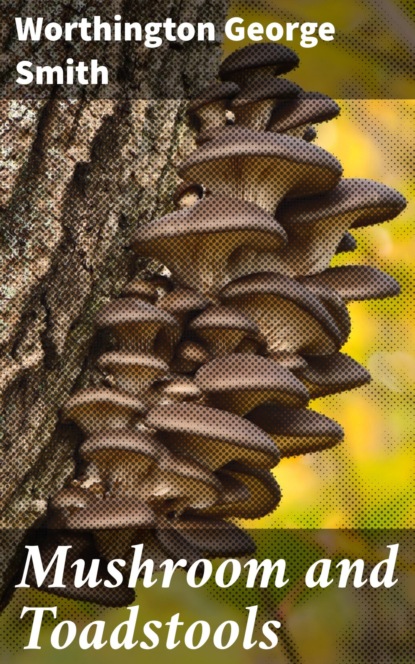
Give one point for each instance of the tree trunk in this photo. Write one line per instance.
(78, 177)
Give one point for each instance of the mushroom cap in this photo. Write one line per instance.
(297, 430)
(266, 88)
(317, 170)
(110, 442)
(276, 56)
(356, 282)
(215, 92)
(366, 201)
(182, 301)
(214, 215)
(197, 244)
(182, 389)
(241, 382)
(249, 493)
(333, 303)
(115, 359)
(141, 289)
(332, 374)
(129, 310)
(94, 404)
(196, 537)
(306, 108)
(220, 317)
(288, 314)
(214, 434)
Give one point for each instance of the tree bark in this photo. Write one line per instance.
(78, 177)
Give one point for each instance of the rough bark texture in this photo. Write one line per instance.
(77, 178)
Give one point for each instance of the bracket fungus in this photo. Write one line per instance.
(212, 369)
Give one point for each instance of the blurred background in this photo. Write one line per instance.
(368, 481)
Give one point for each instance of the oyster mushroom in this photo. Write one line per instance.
(295, 115)
(288, 315)
(193, 538)
(297, 430)
(315, 226)
(97, 408)
(222, 329)
(134, 372)
(256, 60)
(356, 282)
(197, 244)
(261, 167)
(140, 327)
(331, 374)
(254, 107)
(141, 289)
(209, 108)
(212, 436)
(240, 383)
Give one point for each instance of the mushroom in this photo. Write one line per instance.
(254, 107)
(295, 115)
(140, 289)
(180, 389)
(223, 329)
(140, 327)
(332, 374)
(209, 108)
(197, 244)
(123, 458)
(249, 493)
(212, 436)
(315, 226)
(239, 383)
(187, 194)
(183, 303)
(256, 60)
(356, 282)
(297, 430)
(333, 303)
(193, 538)
(97, 408)
(261, 167)
(288, 315)
(134, 372)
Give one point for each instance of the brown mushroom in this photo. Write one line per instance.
(256, 60)
(212, 436)
(297, 430)
(261, 167)
(222, 329)
(209, 108)
(240, 383)
(332, 374)
(134, 372)
(295, 115)
(140, 327)
(97, 408)
(356, 282)
(197, 244)
(288, 315)
(315, 226)
(254, 107)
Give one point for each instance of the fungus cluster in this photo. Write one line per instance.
(213, 368)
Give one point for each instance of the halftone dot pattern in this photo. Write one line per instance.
(213, 365)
